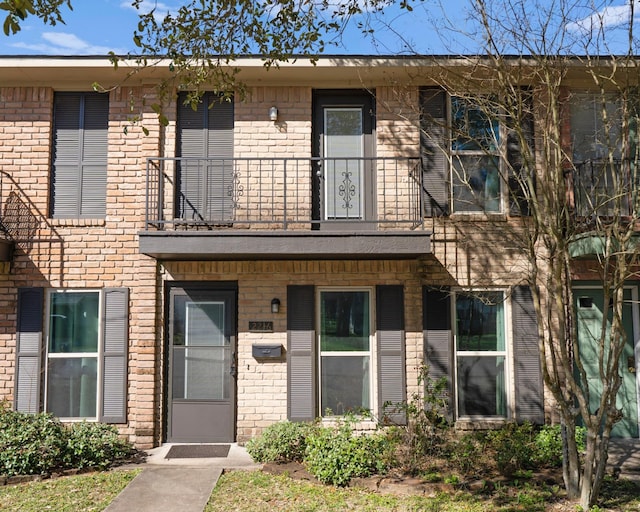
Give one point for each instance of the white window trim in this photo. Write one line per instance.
(74, 355)
(373, 353)
(507, 353)
(499, 153)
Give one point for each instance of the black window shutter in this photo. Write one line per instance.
(29, 349)
(528, 373)
(392, 387)
(433, 148)
(438, 338)
(79, 159)
(301, 354)
(115, 325)
(517, 179)
(205, 187)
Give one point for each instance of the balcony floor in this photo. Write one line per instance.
(289, 245)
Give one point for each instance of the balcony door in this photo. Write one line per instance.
(344, 181)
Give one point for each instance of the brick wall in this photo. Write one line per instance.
(262, 386)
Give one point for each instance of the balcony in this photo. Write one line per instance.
(283, 208)
(604, 189)
(604, 192)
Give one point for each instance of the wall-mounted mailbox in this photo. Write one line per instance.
(266, 351)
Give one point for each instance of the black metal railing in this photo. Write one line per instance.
(605, 188)
(283, 193)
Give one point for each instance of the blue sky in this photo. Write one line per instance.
(96, 27)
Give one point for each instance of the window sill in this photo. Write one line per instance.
(479, 216)
(359, 425)
(77, 223)
(465, 424)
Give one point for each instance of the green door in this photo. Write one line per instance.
(589, 304)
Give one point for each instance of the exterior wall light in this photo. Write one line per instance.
(273, 113)
(275, 306)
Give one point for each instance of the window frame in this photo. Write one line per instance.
(49, 293)
(506, 353)
(457, 155)
(372, 353)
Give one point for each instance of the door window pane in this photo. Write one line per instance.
(343, 146)
(199, 373)
(345, 350)
(205, 324)
(201, 351)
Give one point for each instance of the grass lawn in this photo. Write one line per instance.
(258, 491)
(80, 493)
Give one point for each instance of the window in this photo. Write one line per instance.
(603, 178)
(79, 156)
(481, 354)
(84, 337)
(345, 352)
(475, 161)
(72, 354)
(341, 359)
(592, 137)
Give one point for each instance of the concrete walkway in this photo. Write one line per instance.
(184, 485)
(176, 485)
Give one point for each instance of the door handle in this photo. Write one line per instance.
(233, 368)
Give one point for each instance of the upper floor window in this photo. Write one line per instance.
(595, 127)
(475, 162)
(472, 154)
(79, 156)
(602, 153)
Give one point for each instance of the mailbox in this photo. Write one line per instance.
(266, 351)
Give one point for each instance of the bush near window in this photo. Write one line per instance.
(36, 444)
(285, 441)
(332, 454)
(94, 445)
(335, 455)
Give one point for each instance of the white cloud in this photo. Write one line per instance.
(62, 43)
(609, 17)
(161, 9)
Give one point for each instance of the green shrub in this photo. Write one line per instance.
(514, 447)
(285, 441)
(336, 455)
(94, 445)
(426, 432)
(548, 445)
(30, 444)
(466, 451)
(33, 444)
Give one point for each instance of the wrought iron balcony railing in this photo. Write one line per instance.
(605, 188)
(283, 193)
